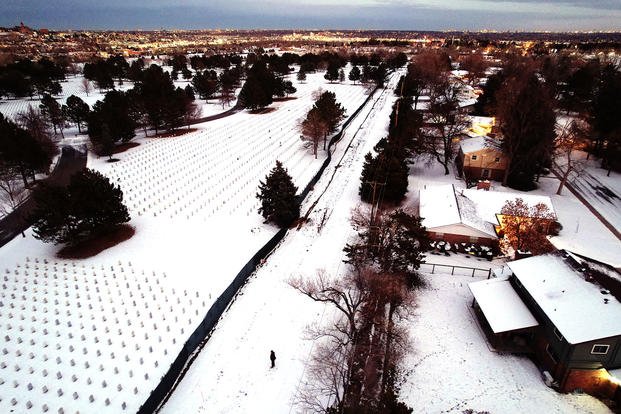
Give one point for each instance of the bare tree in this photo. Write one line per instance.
(12, 191)
(191, 113)
(86, 86)
(313, 129)
(571, 137)
(443, 124)
(327, 375)
(227, 95)
(525, 227)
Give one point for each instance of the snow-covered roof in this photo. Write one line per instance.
(490, 203)
(501, 305)
(477, 143)
(467, 102)
(577, 308)
(442, 205)
(470, 216)
(438, 206)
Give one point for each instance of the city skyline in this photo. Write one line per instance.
(518, 15)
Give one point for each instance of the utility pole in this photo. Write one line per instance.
(374, 201)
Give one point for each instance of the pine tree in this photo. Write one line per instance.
(354, 74)
(277, 194)
(301, 76)
(77, 111)
(384, 178)
(332, 73)
(89, 206)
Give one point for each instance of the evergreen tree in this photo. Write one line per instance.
(52, 111)
(384, 178)
(301, 75)
(606, 116)
(205, 85)
(341, 76)
(331, 111)
(115, 112)
(354, 74)
(527, 121)
(89, 206)
(20, 150)
(278, 197)
(332, 73)
(77, 111)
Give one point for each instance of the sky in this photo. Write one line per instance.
(522, 15)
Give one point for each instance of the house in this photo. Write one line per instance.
(480, 158)
(452, 217)
(468, 215)
(489, 205)
(556, 308)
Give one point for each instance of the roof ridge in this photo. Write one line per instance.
(461, 220)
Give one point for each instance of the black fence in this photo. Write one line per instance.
(455, 270)
(202, 332)
(336, 138)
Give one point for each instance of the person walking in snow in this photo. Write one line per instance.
(273, 359)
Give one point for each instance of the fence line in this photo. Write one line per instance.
(160, 394)
(471, 270)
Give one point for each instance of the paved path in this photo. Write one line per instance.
(71, 161)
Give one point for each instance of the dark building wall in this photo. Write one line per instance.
(582, 353)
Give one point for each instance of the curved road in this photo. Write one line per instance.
(71, 161)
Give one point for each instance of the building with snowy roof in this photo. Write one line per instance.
(480, 158)
(452, 217)
(563, 309)
(468, 215)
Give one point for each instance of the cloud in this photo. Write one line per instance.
(586, 4)
(307, 14)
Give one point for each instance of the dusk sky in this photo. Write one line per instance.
(556, 15)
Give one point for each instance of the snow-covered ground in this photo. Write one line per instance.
(601, 190)
(192, 201)
(232, 372)
(193, 206)
(450, 367)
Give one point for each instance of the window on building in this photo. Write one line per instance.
(600, 349)
(497, 159)
(474, 239)
(552, 354)
(473, 158)
(558, 334)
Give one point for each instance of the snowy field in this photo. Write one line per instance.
(71, 86)
(216, 170)
(192, 203)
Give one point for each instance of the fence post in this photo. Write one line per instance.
(489, 273)
(452, 270)
(473, 269)
(433, 268)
